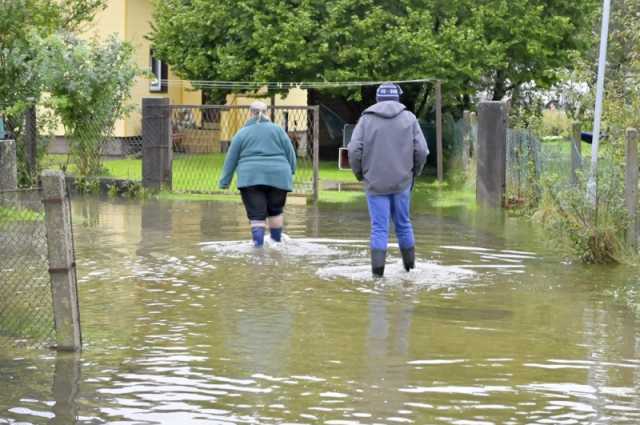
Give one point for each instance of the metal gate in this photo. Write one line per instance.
(201, 135)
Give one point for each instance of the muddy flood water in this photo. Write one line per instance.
(185, 323)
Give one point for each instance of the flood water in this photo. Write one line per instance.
(185, 323)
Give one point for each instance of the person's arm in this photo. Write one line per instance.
(230, 163)
(420, 149)
(356, 146)
(288, 149)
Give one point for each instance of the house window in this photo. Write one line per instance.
(160, 73)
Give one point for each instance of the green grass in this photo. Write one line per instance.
(200, 173)
(10, 214)
(172, 196)
(427, 194)
(563, 146)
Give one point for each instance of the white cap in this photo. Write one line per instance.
(258, 106)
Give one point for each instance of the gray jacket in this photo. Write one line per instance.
(387, 148)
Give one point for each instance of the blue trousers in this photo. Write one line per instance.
(395, 207)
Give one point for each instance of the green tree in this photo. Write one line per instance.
(22, 24)
(495, 45)
(532, 40)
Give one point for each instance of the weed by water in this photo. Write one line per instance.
(593, 233)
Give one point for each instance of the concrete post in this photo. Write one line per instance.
(157, 152)
(8, 165)
(439, 154)
(631, 186)
(316, 154)
(31, 139)
(66, 387)
(62, 266)
(576, 152)
(492, 153)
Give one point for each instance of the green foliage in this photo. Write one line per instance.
(89, 84)
(10, 215)
(24, 27)
(595, 235)
(127, 188)
(23, 23)
(46, 127)
(113, 191)
(87, 185)
(491, 44)
(532, 41)
(555, 123)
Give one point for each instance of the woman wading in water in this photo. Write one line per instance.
(265, 160)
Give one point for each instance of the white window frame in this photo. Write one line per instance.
(156, 85)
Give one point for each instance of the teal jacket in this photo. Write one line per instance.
(263, 155)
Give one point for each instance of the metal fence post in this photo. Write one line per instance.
(31, 139)
(473, 121)
(631, 186)
(576, 152)
(156, 143)
(466, 139)
(316, 154)
(492, 153)
(439, 153)
(8, 166)
(62, 267)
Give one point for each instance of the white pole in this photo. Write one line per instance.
(602, 64)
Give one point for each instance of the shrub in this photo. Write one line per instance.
(555, 123)
(595, 234)
(90, 83)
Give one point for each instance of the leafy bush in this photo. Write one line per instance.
(90, 83)
(555, 123)
(593, 234)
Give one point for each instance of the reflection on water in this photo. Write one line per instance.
(186, 323)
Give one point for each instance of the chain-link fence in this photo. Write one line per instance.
(201, 135)
(97, 149)
(26, 312)
(531, 158)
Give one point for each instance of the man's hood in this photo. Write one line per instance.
(386, 109)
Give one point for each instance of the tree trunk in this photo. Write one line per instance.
(423, 102)
(499, 87)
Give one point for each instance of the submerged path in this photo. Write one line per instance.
(185, 324)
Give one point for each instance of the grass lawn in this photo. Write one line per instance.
(563, 146)
(10, 214)
(200, 173)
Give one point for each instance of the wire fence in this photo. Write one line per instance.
(26, 311)
(201, 136)
(98, 149)
(531, 158)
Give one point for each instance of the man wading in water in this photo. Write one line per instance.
(387, 152)
(264, 157)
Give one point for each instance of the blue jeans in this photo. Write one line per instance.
(396, 207)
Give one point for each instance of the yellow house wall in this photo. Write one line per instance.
(109, 21)
(139, 14)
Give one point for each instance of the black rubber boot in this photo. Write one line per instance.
(378, 257)
(408, 258)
